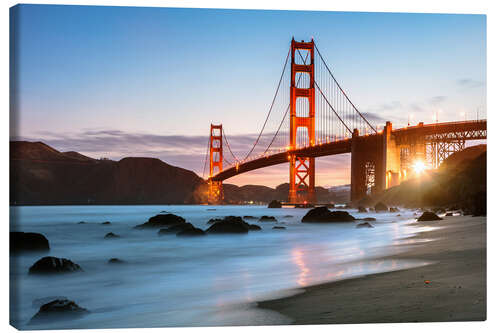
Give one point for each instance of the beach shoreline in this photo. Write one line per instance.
(451, 288)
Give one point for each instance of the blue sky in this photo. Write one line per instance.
(131, 81)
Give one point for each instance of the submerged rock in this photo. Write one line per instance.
(266, 218)
(115, 261)
(110, 235)
(59, 309)
(287, 216)
(364, 225)
(161, 220)
(274, 204)
(429, 216)
(175, 229)
(82, 222)
(28, 241)
(53, 265)
(279, 227)
(249, 217)
(371, 219)
(322, 214)
(191, 232)
(254, 227)
(106, 223)
(380, 207)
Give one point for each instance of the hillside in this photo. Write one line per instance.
(39, 174)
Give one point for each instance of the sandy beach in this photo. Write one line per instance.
(452, 288)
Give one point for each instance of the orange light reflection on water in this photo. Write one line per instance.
(298, 259)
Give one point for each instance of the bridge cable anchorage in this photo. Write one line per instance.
(272, 104)
(287, 109)
(342, 90)
(229, 146)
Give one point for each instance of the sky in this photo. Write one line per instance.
(130, 81)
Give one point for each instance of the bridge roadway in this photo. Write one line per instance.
(461, 130)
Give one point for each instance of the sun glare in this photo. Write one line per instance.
(419, 167)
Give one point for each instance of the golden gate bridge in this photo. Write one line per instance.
(314, 117)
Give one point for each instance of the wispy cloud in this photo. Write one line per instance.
(436, 100)
(469, 83)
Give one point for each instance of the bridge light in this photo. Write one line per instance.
(419, 166)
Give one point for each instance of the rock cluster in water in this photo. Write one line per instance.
(323, 214)
(231, 225)
(161, 220)
(28, 241)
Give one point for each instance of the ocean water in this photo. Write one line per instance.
(212, 280)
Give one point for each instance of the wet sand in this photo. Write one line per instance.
(456, 288)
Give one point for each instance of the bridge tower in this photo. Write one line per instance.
(215, 192)
(302, 168)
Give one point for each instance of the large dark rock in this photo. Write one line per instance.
(322, 214)
(364, 225)
(175, 229)
(59, 309)
(161, 220)
(381, 207)
(229, 225)
(429, 216)
(28, 241)
(266, 218)
(274, 204)
(362, 209)
(53, 265)
(191, 232)
(111, 235)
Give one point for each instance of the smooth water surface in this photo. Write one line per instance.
(201, 281)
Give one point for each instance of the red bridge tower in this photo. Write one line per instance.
(302, 168)
(215, 193)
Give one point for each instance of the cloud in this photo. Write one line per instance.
(437, 100)
(469, 83)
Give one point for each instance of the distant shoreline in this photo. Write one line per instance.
(452, 289)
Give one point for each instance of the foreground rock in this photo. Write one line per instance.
(266, 218)
(429, 216)
(381, 207)
(364, 225)
(111, 235)
(161, 220)
(229, 225)
(28, 241)
(322, 214)
(53, 265)
(274, 204)
(59, 309)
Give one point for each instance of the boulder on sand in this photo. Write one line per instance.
(161, 220)
(364, 225)
(59, 309)
(274, 204)
(110, 235)
(53, 265)
(322, 214)
(228, 225)
(175, 229)
(266, 218)
(429, 216)
(380, 207)
(361, 209)
(28, 241)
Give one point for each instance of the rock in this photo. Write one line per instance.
(115, 261)
(371, 209)
(380, 207)
(191, 232)
(279, 227)
(362, 209)
(322, 214)
(266, 218)
(175, 229)
(274, 204)
(371, 219)
(211, 209)
(28, 241)
(394, 209)
(106, 223)
(398, 215)
(59, 309)
(438, 210)
(449, 214)
(110, 235)
(249, 217)
(229, 225)
(82, 222)
(288, 216)
(161, 220)
(254, 227)
(429, 216)
(53, 265)
(364, 225)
